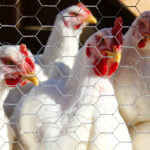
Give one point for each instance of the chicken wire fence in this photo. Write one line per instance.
(88, 123)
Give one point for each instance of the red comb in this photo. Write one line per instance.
(23, 50)
(84, 8)
(31, 64)
(117, 30)
(80, 4)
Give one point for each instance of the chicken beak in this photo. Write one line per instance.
(31, 77)
(117, 54)
(114, 55)
(91, 19)
(147, 35)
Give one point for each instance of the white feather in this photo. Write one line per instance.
(7, 134)
(77, 112)
(132, 84)
(58, 56)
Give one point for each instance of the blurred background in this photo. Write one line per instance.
(31, 21)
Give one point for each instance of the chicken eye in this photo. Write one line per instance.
(74, 14)
(141, 25)
(102, 40)
(10, 62)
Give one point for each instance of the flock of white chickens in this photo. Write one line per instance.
(75, 105)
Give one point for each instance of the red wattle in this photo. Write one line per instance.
(142, 43)
(101, 67)
(113, 68)
(11, 82)
(23, 83)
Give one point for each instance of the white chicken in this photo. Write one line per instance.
(132, 86)
(63, 44)
(77, 111)
(15, 68)
(63, 41)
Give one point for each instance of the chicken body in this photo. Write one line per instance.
(62, 47)
(63, 43)
(13, 65)
(132, 84)
(5, 137)
(79, 107)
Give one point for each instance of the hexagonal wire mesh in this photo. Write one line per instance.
(73, 109)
